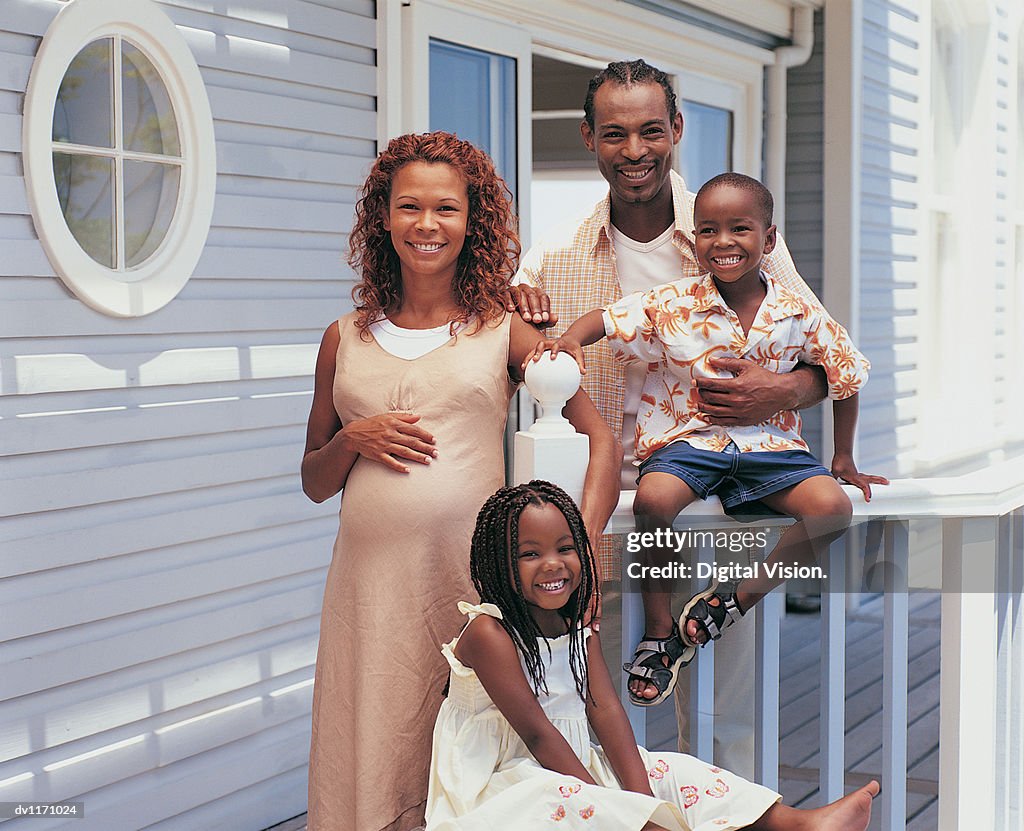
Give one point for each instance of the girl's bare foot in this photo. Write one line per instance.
(851, 813)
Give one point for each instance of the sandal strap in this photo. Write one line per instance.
(672, 646)
(647, 673)
(647, 664)
(654, 648)
(716, 619)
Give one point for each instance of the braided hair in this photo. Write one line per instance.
(491, 563)
(627, 74)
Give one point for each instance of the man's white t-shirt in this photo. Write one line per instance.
(640, 266)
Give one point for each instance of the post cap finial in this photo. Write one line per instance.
(552, 383)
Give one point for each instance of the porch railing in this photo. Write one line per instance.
(962, 536)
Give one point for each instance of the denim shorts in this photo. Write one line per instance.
(738, 479)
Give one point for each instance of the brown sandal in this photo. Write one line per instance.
(647, 665)
(713, 619)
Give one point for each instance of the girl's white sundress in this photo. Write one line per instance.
(483, 778)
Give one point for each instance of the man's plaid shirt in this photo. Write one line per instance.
(578, 272)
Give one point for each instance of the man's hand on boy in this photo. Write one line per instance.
(554, 346)
(845, 470)
(754, 394)
(532, 303)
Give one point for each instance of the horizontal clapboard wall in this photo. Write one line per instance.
(161, 572)
(892, 135)
(888, 322)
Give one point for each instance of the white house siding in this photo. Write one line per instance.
(914, 393)
(890, 261)
(886, 324)
(161, 572)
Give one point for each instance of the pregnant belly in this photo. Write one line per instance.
(407, 535)
(446, 492)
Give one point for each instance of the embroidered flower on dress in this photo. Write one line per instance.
(587, 812)
(568, 790)
(659, 770)
(690, 795)
(715, 770)
(722, 821)
(559, 813)
(719, 790)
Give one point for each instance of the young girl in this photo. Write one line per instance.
(511, 745)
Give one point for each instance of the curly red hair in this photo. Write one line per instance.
(488, 257)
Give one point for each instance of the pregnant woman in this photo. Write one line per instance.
(411, 395)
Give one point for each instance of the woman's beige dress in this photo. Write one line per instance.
(400, 567)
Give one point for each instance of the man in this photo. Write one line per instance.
(639, 237)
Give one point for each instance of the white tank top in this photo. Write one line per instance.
(411, 343)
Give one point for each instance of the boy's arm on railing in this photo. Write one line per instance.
(843, 466)
(585, 331)
(588, 329)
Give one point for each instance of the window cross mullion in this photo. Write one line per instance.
(119, 220)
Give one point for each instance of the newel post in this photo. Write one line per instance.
(552, 449)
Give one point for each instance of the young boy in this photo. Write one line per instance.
(736, 311)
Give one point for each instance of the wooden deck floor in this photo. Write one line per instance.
(798, 725)
(799, 750)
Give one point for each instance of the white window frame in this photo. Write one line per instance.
(947, 360)
(423, 20)
(1014, 401)
(725, 95)
(154, 283)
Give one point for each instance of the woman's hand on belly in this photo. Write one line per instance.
(389, 438)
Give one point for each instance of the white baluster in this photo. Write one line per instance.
(702, 685)
(551, 449)
(895, 652)
(832, 691)
(967, 699)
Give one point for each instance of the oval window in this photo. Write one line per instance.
(128, 141)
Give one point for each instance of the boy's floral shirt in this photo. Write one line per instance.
(676, 327)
